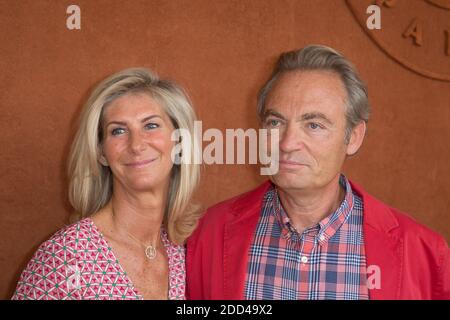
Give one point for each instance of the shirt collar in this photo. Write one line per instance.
(327, 227)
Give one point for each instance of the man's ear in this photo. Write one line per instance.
(356, 138)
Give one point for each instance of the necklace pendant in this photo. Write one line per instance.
(150, 252)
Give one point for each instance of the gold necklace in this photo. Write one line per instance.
(150, 250)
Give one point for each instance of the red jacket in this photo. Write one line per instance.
(413, 260)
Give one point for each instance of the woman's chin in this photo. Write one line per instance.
(146, 184)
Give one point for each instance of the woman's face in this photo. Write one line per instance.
(137, 142)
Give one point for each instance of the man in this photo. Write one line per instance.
(310, 233)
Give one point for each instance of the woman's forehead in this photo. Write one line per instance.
(134, 105)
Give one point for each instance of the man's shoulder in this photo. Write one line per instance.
(237, 215)
(243, 205)
(238, 203)
(387, 218)
(411, 228)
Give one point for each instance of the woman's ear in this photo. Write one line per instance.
(102, 158)
(103, 161)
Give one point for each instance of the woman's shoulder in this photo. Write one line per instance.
(66, 244)
(74, 235)
(54, 268)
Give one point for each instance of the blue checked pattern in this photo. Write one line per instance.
(326, 261)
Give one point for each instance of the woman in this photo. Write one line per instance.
(133, 197)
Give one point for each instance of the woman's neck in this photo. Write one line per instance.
(139, 214)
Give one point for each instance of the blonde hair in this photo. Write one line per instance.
(90, 183)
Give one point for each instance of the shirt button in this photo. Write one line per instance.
(304, 259)
(322, 237)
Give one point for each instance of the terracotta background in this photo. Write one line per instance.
(221, 52)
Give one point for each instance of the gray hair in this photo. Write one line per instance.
(322, 58)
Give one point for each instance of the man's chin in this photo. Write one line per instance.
(289, 180)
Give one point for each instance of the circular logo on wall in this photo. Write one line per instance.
(415, 33)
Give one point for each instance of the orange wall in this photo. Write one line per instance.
(221, 52)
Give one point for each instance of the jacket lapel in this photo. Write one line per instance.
(238, 235)
(383, 246)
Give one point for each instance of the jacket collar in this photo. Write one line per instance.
(383, 246)
(376, 214)
(383, 220)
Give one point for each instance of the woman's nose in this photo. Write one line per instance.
(136, 142)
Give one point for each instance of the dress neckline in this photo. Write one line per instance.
(112, 256)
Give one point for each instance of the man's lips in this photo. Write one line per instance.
(290, 164)
(140, 164)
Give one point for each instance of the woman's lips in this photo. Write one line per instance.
(140, 164)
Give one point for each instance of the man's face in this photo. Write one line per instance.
(308, 109)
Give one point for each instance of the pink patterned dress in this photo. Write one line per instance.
(78, 264)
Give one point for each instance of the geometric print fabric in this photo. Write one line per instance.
(77, 263)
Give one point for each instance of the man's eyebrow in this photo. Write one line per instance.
(315, 115)
(270, 112)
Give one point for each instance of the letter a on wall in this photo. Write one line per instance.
(73, 21)
(373, 21)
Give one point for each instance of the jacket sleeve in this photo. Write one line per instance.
(193, 266)
(444, 292)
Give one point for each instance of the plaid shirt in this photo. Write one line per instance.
(326, 261)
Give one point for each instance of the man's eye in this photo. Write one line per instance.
(314, 125)
(151, 125)
(273, 122)
(117, 131)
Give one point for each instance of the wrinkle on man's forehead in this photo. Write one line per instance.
(298, 93)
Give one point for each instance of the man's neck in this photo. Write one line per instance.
(306, 208)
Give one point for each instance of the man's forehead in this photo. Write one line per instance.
(308, 83)
(303, 115)
(310, 91)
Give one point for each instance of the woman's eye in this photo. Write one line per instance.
(150, 126)
(117, 131)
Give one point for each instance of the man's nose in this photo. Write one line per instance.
(291, 139)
